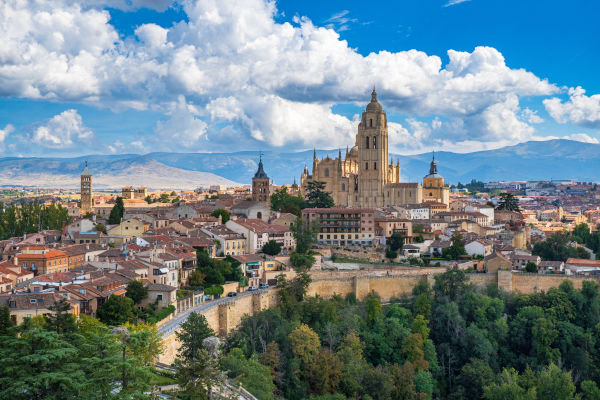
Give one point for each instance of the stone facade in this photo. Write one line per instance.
(86, 190)
(365, 177)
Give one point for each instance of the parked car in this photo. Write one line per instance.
(252, 288)
(263, 285)
(231, 294)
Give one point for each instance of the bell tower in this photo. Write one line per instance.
(372, 141)
(86, 190)
(261, 185)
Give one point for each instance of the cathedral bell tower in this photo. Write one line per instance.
(261, 185)
(86, 190)
(372, 142)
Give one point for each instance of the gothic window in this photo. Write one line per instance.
(326, 172)
(366, 166)
(343, 187)
(367, 141)
(374, 142)
(375, 165)
(371, 123)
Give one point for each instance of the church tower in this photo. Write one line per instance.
(261, 185)
(372, 142)
(434, 188)
(86, 190)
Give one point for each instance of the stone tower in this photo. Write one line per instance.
(372, 141)
(434, 188)
(86, 190)
(261, 185)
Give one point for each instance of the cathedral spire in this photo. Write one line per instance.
(433, 165)
(374, 95)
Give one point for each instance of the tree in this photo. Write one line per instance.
(317, 197)
(282, 201)
(252, 374)
(531, 267)
(60, 320)
(117, 212)
(396, 241)
(196, 278)
(271, 248)
(116, 311)
(304, 235)
(304, 344)
(391, 254)
(452, 284)
(373, 307)
(100, 228)
(224, 214)
(136, 291)
(173, 193)
(508, 202)
(5, 322)
(456, 249)
(191, 334)
(244, 281)
(301, 262)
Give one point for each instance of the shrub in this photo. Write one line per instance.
(162, 314)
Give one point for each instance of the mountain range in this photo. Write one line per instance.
(534, 160)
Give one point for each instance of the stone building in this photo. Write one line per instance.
(365, 177)
(261, 185)
(86, 190)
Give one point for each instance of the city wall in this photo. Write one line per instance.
(223, 318)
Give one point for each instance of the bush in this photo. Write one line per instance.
(214, 291)
(391, 254)
(161, 314)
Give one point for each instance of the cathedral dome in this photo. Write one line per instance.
(353, 152)
(374, 105)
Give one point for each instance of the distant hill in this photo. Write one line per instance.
(108, 172)
(557, 159)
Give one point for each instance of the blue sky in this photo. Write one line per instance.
(136, 76)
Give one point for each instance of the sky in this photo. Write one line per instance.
(137, 76)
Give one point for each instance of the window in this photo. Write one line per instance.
(366, 166)
(367, 142)
(159, 297)
(374, 142)
(326, 172)
(343, 187)
(371, 123)
(375, 165)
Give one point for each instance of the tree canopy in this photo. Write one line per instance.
(317, 197)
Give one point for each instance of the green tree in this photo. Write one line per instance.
(508, 202)
(531, 267)
(304, 344)
(136, 291)
(191, 334)
(60, 320)
(456, 249)
(100, 228)
(117, 212)
(317, 197)
(117, 310)
(244, 281)
(196, 279)
(396, 241)
(373, 307)
(224, 214)
(304, 235)
(555, 384)
(6, 323)
(282, 201)
(253, 375)
(271, 248)
(301, 262)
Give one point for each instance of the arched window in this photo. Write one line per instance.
(343, 187)
(371, 123)
(326, 172)
(367, 142)
(375, 165)
(374, 142)
(366, 165)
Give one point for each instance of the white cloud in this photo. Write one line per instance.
(8, 129)
(579, 109)
(183, 130)
(451, 3)
(275, 83)
(63, 131)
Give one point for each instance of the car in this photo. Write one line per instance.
(231, 294)
(263, 285)
(252, 288)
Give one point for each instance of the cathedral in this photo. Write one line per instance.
(365, 177)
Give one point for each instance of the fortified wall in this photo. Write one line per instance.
(225, 317)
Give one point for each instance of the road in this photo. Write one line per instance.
(174, 323)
